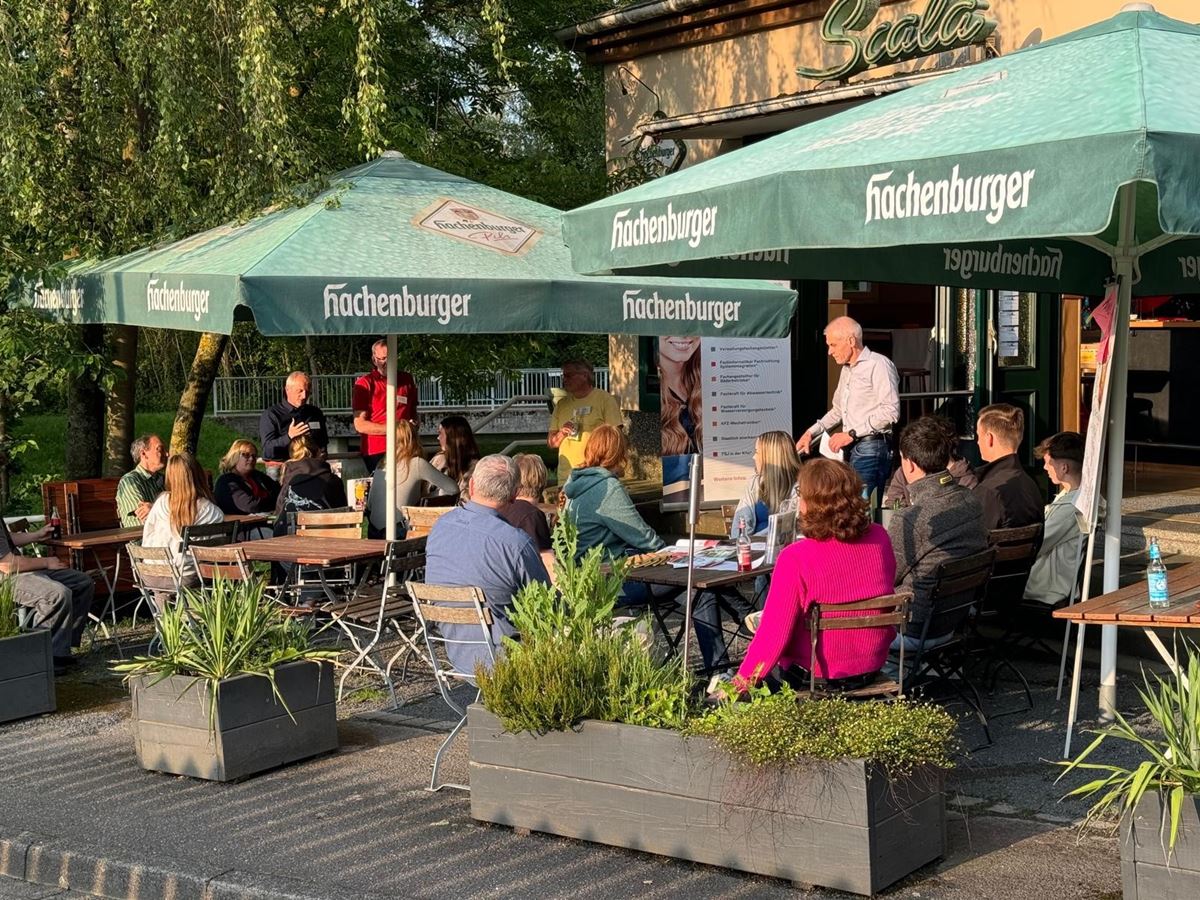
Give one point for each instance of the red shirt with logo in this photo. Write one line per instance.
(370, 396)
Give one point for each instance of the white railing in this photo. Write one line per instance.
(240, 396)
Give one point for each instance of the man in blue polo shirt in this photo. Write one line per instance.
(473, 546)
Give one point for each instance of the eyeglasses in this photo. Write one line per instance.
(244, 455)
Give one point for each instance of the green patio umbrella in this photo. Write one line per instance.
(397, 247)
(1048, 169)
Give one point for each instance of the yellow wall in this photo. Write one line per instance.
(762, 66)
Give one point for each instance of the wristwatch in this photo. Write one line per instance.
(853, 434)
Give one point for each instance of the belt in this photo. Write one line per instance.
(874, 436)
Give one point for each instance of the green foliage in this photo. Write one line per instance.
(227, 631)
(1172, 762)
(8, 608)
(572, 663)
(778, 729)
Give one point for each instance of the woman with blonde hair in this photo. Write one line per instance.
(523, 512)
(772, 487)
(241, 486)
(843, 558)
(413, 474)
(186, 501)
(308, 483)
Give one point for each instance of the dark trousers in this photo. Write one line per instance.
(61, 600)
(372, 461)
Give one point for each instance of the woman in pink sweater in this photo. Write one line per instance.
(842, 558)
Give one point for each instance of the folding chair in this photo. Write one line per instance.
(442, 605)
(421, 519)
(876, 612)
(153, 568)
(25, 614)
(1016, 552)
(331, 523)
(364, 618)
(216, 535)
(226, 563)
(959, 587)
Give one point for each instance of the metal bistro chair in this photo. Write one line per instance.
(421, 519)
(875, 612)
(216, 535)
(958, 589)
(330, 523)
(364, 618)
(25, 614)
(1016, 551)
(442, 605)
(152, 567)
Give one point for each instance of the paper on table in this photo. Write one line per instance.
(826, 452)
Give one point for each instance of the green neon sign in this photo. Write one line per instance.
(945, 25)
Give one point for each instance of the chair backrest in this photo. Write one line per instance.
(228, 563)
(154, 563)
(1016, 552)
(727, 513)
(890, 610)
(441, 604)
(217, 534)
(422, 518)
(342, 523)
(960, 585)
(404, 560)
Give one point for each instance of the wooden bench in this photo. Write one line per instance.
(87, 504)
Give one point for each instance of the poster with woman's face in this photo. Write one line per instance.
(717, 395)
(682, 410)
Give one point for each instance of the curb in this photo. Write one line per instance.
(40, 859)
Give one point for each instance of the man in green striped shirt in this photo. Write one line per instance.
(140, 486)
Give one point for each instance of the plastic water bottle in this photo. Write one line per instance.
(1156, 578)
(743, 547)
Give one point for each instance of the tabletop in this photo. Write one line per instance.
(90, 540)
(702, 579)
(313, 551)
(1131, 605)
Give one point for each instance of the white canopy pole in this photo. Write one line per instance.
(693, 516)
(1119, 373)
(390, 463)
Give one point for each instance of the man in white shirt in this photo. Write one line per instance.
(866, 404)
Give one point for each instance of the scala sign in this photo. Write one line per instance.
(945, 25)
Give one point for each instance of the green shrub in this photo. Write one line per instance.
(8, 608)
(227, 631)
(571, 663)
(1172, 763)
(775, 729)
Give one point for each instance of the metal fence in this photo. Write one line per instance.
(234, 396)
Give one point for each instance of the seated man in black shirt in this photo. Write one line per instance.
(1009, 497)
(291, 418)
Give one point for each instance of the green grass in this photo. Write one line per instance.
(47, 462)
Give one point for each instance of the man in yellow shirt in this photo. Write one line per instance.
(578, 414)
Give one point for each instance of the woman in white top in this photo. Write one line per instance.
(186, 501)
(1052, 578)
(413, 473)
(772, 487)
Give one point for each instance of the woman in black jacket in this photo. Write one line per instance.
(242, 487)
(308, 484)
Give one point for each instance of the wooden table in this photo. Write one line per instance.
(313, 551)
(97, 543)
(1129, 607)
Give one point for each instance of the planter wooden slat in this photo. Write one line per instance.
(1145, 872)
(841, 825)
(253, 731)
(26, 675)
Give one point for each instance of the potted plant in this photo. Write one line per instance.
(237, 688)
(26, 663)
(1157, 799)
(583, 733)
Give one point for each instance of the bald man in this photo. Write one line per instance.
(291, 418)
(866, 404)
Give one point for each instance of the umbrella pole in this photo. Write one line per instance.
(390, 457)
(693, 515)
(1119, 373)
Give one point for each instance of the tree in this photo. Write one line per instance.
(124, 123)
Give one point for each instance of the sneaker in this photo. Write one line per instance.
(749, 625)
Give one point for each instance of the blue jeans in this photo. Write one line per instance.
(872, 460)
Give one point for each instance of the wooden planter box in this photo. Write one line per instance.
(253, 731)
(1145, 873)
(842, 825)
(26, 675)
